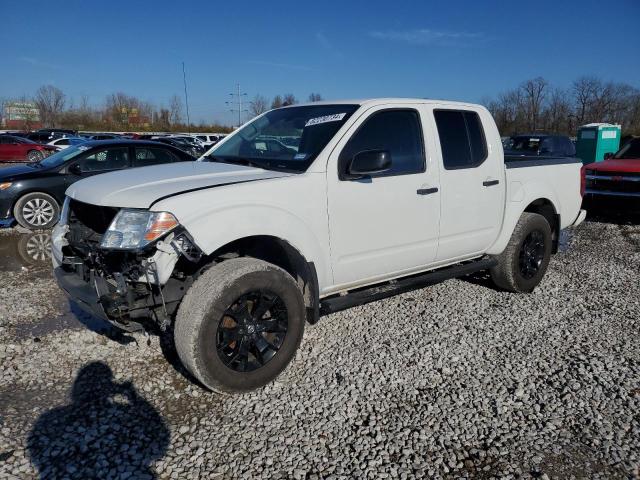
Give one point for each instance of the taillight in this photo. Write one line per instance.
(583, 181)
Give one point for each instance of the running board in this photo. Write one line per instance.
(354, 298)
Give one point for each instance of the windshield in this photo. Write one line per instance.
(524, 144)
(284, 139)
(62, 156)
(630, 150)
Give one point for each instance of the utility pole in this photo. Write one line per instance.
(186, 98)
(236, 101)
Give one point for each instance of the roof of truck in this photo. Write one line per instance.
(376, 101)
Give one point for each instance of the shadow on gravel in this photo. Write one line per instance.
(482, 278)
(72, 318)
(108, 430)
(170, 354)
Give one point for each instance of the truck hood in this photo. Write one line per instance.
(141, 187)
(625, 165)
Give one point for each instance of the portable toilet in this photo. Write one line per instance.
(596, 139)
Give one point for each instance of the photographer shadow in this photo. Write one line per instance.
(108, 430)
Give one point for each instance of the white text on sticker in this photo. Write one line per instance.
(327, 118)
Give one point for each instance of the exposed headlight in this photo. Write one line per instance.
(5, 185)
(132, 229)
(64, 213)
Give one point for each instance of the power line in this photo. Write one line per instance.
(186, 97)
(236, 100)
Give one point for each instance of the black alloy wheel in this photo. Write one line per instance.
(252, 330)
(531, 254)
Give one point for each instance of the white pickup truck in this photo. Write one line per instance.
(304, 211)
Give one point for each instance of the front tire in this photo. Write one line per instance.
(36, 211)
(239, 325)
(524, 261)
(34, 156)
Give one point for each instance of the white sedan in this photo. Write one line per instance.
(67, 142)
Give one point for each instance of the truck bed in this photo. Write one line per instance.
(518, 161)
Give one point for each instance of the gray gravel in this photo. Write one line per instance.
(453, 381)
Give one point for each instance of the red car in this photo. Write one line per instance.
(617, 177)
(18, 149)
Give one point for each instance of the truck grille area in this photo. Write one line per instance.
(94, 217)
(87, 223)
(614, 182)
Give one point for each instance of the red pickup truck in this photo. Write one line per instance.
(617, 177)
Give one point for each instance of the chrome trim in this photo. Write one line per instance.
(613, 194)
(618, 178)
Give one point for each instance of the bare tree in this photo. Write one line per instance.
(534, 93)
(277, 102)
(175, 109)
(50, 101)
(289, 99)
(258, 105)
(585, 91)
(315, 97)
(558, 113)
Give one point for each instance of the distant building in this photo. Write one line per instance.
(21, 116)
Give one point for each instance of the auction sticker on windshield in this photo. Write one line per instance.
(327, 118)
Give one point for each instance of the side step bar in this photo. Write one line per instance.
(354, 298)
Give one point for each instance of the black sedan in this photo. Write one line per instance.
(32, 194)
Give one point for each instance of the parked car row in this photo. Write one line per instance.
(13, 148)
(194, 145)
(32, 194)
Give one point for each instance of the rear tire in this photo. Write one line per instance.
(239, 325)
(36, 211)
(524, 261)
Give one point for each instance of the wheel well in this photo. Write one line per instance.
(28, 192)
(544, 207)
(281, 253)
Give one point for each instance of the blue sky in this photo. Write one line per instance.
(458, 50)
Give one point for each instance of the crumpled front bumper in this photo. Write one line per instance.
(85, 296)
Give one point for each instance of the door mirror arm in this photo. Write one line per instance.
(367, 163)
(75, 169)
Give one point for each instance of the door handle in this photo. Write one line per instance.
(426, 191)
(488, 183)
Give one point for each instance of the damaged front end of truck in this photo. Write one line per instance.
(130, 267)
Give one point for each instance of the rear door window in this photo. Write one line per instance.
(462, 139)
(153, 156)
(105, 159)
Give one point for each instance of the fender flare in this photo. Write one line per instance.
(517, 203)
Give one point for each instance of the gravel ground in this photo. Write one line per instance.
(453, 381)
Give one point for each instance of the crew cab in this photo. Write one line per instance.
(617, 177)
(234, 253)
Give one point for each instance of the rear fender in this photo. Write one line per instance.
(519, 197)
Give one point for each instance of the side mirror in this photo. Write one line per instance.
(369, 162)
(608, 155)
(75, 169)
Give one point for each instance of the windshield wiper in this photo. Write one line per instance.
(237, 161)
